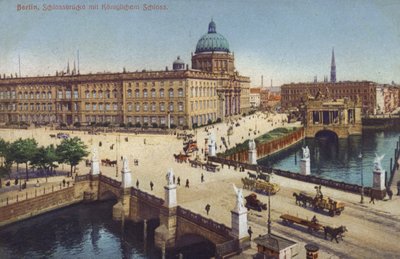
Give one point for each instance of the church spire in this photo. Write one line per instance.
(333, 67)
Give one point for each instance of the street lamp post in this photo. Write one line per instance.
(362, 179)
(269, 212)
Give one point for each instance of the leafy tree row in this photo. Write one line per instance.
(26, 151)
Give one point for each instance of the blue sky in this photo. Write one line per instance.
(286, 41)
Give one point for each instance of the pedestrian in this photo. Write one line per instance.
(151, 185)
(179, 181)
(137, 184)
(173, 179)
(208, 208)
(390, 193)
(250, 232)
(16, 181)
(372, 199)
(202, 177)
(187, 183)
(63, 182)
(398, 187)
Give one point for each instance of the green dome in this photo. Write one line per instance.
(212, 41)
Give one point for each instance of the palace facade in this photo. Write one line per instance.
(212, 89)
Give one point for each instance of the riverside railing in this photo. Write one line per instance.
(354, 188)
(33, 193)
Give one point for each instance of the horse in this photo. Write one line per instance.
(299, 199)
(105, 162)
(252, 176)
(334, 232)
(112, 163)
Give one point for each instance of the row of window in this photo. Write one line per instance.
(205, 104)
(138, 107)
(203, 91)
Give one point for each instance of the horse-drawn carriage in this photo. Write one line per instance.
(253, 203)
(260, 186)
(319, 203)
(314, 226)
(180, 158)
(190, 146)
(108, 162)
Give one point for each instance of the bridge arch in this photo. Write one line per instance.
(107, 195)
(326, 134)
(196, 243)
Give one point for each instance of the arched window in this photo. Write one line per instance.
(129, 93)
(171, 92)
(20, 95)
(115, 93)
(100, 94)
(31, 94)
(37, 95)
(93, 94)
(145, 93)
(180, 92)
(161, 92)
(108, 94)
(137, 107)
(145, 107)
(153, 93)
(162, 107)
(43, 95)
(153, 107)
(137, 93)
(26, 96)
(171, 106)
(87, 94)
(130, 106)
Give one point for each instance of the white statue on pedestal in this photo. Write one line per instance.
(239, 198)
(170, 177)
(306, 152)
(377, 162)
(125, 165)
(252, 144)
(94, 154)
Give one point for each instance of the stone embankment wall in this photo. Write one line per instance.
(271, 147)
(52, 200)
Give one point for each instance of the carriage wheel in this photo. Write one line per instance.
(338, 212)
(331, 213)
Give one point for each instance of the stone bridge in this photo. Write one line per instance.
(176, 223)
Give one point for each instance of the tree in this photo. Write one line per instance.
(45, 159)
(6, 160)
(71, 151)
(23, 151)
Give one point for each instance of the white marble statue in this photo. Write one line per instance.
(239, 197)
(377, 162)
(306, 152)
(125, 165)
(94, 154)
(212, 139)
(170, 177)
(252, 144)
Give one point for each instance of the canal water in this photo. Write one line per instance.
(339, 159)
(85, 231)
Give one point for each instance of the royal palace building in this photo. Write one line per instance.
(211, 89)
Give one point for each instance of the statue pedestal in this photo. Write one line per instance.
(253, 157)
(95, 167)
(378, 187)
(170, 196)
(239, 223)
(305, 166)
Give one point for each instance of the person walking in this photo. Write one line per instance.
(372, 199)
(390, 193)
(187, 183)
(179, 181)
(151, 185)
(207, 208)
(137, 184)
(202, 177)
(250, 232)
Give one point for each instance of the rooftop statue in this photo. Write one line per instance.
(170, 177)
(239, 198)
(377, 162)
(306, 152)
(212, 139)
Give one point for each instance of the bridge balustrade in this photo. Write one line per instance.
(198, 219)
(146, 196)
(81, 178)
(110, 181)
